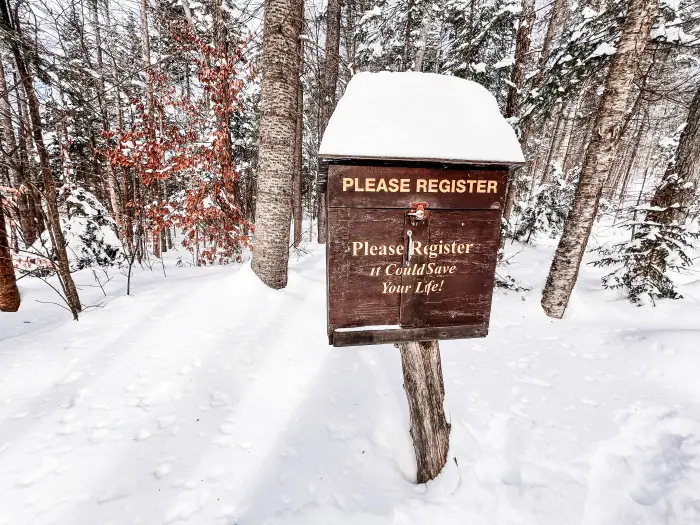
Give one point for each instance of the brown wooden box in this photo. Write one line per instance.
(378, 292)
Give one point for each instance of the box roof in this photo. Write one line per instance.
(421, 117)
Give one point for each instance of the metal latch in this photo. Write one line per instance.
(418, 211)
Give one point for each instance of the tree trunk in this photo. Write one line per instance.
(146, 49)
(554, 144)
(407, 36)
(523, 40)
(425, 390)
(102, 101)
(223, 117)
(321, 215)
(15, 163)
(423, 39)
(329, 84)
(688, 153)
(156, 237)
(163, 232)
(278, 104)
(54, 227)
(298, 156)
(606, 133)
(554, 23)
(569, 120)
(9, 294)
(684, 167)
(33, 198)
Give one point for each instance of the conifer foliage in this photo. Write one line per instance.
(546, 210)
(660, 244)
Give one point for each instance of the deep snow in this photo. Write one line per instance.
(207, 398)
(412, 115)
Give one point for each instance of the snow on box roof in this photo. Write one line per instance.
(419, 116)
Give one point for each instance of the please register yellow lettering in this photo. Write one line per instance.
(371, 184)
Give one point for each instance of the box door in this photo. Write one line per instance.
(364, 266)
(449, 268)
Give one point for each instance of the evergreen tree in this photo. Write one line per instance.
(659, 245)
(661, 242)
(546, 210)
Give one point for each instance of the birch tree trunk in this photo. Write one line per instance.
(297, 211)
(523, 39)
(329, 84)
(606, 133)
(425, 390)
(278, 104)
(423, 39)
(9, 294)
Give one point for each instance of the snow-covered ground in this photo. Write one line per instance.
(206, 398)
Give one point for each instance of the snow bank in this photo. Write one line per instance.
(207, 398)
(419, 116)
(89, 230)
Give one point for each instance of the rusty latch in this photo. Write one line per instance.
(418, 211)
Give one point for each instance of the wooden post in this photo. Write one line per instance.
(425, 390)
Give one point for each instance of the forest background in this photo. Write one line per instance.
(130, 127)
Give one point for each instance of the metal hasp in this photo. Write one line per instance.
(418, 211)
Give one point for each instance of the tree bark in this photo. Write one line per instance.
(606, 134)
(224, 116)
(9, 294)
(146, 50)
(163, 232)
(425, 390)
(554, 144)
(322, 214)
(684, 167)
(24, 138)
(329, 85)
(102, 101)
(298, 156)
(423, 39)
(278, 102)
(523, 39)
(54, 227)
(16, 167)
(555, 16)
(407, 35)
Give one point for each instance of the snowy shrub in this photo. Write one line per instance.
(506, 282)
(503, 280)
(659, 244)
(546, 210)
(89, 230)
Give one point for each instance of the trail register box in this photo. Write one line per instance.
(412, 242)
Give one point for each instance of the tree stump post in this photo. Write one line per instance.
(425, 390)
